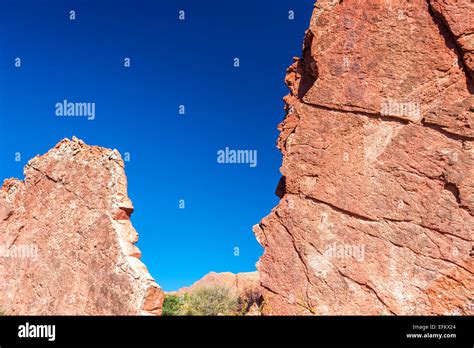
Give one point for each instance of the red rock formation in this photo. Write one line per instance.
(377, 194)
(71, 219)
(239, 283)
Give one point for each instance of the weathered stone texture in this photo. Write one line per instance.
(377, 193)
(73, 210)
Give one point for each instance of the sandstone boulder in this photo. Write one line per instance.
(70, 218)
(377, 194)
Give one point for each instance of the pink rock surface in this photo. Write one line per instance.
(71, 216)
(377, 194)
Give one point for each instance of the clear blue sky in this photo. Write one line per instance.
(173, 156)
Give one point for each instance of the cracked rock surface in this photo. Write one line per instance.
(377, 194)
(69, 224)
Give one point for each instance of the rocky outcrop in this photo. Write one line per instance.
(239, 283)
(377, 193)
(245, 286)
(68, 243)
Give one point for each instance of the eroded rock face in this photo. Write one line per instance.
(377, 194)
(69, 238)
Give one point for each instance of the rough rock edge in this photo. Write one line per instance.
(119, 214)
(463, 50)
(300, 77)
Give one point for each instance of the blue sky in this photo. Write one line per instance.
(172, 156)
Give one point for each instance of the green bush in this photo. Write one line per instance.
(212, 300)
(172, 305)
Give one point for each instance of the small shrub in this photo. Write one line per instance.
(172, 305)
(208, 301)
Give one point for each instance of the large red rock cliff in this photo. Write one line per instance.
(68, 243)
(377, 194)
